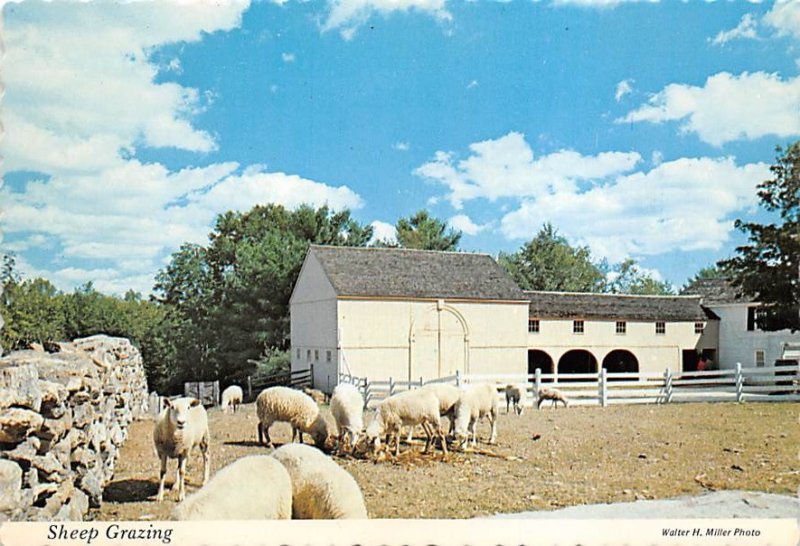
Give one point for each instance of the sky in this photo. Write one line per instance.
(638, 129)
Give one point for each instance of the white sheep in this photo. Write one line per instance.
(317, 395)
(409, 408)
(555, 395)
(321, 488)
(347, 407)
(231, 398)
(182, 425)
(254, 487)
(448, 396)
(476, 402)
(292, 406)
(516, 394)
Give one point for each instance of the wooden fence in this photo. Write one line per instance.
(766, 384)
(205, 391)
(295, 379)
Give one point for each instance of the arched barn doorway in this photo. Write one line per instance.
(621, 361)
(539, 359)
(576, 361)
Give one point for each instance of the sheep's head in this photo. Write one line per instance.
(374, 430)
(178, 410)
(320, 432)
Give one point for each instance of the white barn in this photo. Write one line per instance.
(406, 314)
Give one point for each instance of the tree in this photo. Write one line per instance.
(628, 278)
(705, 273)
(548, 262)
(33, 311)
(424, 232)
(767, 268)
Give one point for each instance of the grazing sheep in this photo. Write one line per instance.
(551, 394)
(254, 487)
(231, 398)
(321, 489)
(409, 408)
(476, 402)
(447, 396)
(317, 395)
(294, 407)
(347, 407)
(182, 425)
(516, 394)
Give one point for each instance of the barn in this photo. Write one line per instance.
(406, 314)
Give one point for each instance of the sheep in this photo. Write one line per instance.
(294, 407)
(254, 487)
(516, 394)
(321, 488)
(182, 425)
(476, 402)
(231, 398)
(447, 396)
(551, 394)
(409, 408)
(347, 407)
(317, 395)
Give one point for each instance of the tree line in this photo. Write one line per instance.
(221, 310)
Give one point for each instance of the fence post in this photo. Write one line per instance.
(249, 388)
(366, 392)
(420, 381)
(538, 384)
(602, 388)
(797, 380)
(668, 386)
(458, 378)
(739, 383)
(391, 386)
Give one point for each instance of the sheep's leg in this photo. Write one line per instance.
(206, 459)
(162, 477)
(493, 421)
(426, 427)
(396, 435)
(265, 426)
(508, 402)
(260, 434)
(410, 434)
(182, 477)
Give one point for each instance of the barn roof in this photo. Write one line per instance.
(716, 291)
(404, 273)
(577, 305)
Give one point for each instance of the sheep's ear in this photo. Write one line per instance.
(166, 403)
(194, 402)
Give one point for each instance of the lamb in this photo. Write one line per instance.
(516, 394)
(317, 395)
(254, 487)
(347, 407)
(321, 488)
(231, 398)
(409, 408)
(294, 407)
(476, 402)
(182, 425)
(447, 396)
(551, 394)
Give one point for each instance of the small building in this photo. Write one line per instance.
(405, 314)
(582, 332)
(740, 338)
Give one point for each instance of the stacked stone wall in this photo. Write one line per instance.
(63, 418)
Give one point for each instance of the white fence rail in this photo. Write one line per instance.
(765, 384)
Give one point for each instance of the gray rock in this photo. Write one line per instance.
(91, 484)
(19, 384)
(10, 485)
(79, 505)
(25, 451)
(17, 423)
(50, 467)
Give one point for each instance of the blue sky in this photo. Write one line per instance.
(637, 128)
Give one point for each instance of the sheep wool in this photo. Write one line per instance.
(409, 408)
(231, 398)
(321, 488)
(476, 402)
(292, 406)
(516, 394)
(254, 487)
(347, 407)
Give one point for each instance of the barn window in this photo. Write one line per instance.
(699, 327)
(622, 327)
(754, 315)
(533, 326)
(760, 358)
(661, 327)
(577, 326)
(298, 354)
(308, 354)
(316, 354)
(327, 356)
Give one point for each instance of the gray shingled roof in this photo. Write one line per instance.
(573, 305)
(719, 291)
(403, 273)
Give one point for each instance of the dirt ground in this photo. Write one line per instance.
(543, 460)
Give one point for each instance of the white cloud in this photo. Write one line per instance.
(657, 158)
(347, 15)
(381, 231)
(746, 29)
(401, 146)
(506, 167)
(464, 223)
(679, 205)
(623, 88)
(784, 17)
(727, 107)
(288, 57)
(472, 84)
(599, 3)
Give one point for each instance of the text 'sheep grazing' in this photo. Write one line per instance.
(113, 532)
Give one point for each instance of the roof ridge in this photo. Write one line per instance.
(606, 294)
(401, 249)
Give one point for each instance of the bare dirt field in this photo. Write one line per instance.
(543, 460)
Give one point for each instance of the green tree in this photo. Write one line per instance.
(424, 232)
(33, 311)
(549, 262)
(768, 268)
(627, 278)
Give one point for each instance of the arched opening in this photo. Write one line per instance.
(621, 361)
(576, 361)
(539, 359)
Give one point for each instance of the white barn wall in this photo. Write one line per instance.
(737, 344)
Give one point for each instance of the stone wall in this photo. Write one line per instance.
(63, 418)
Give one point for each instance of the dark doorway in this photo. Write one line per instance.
(539, 359)
(576, 361)
(621, 361)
